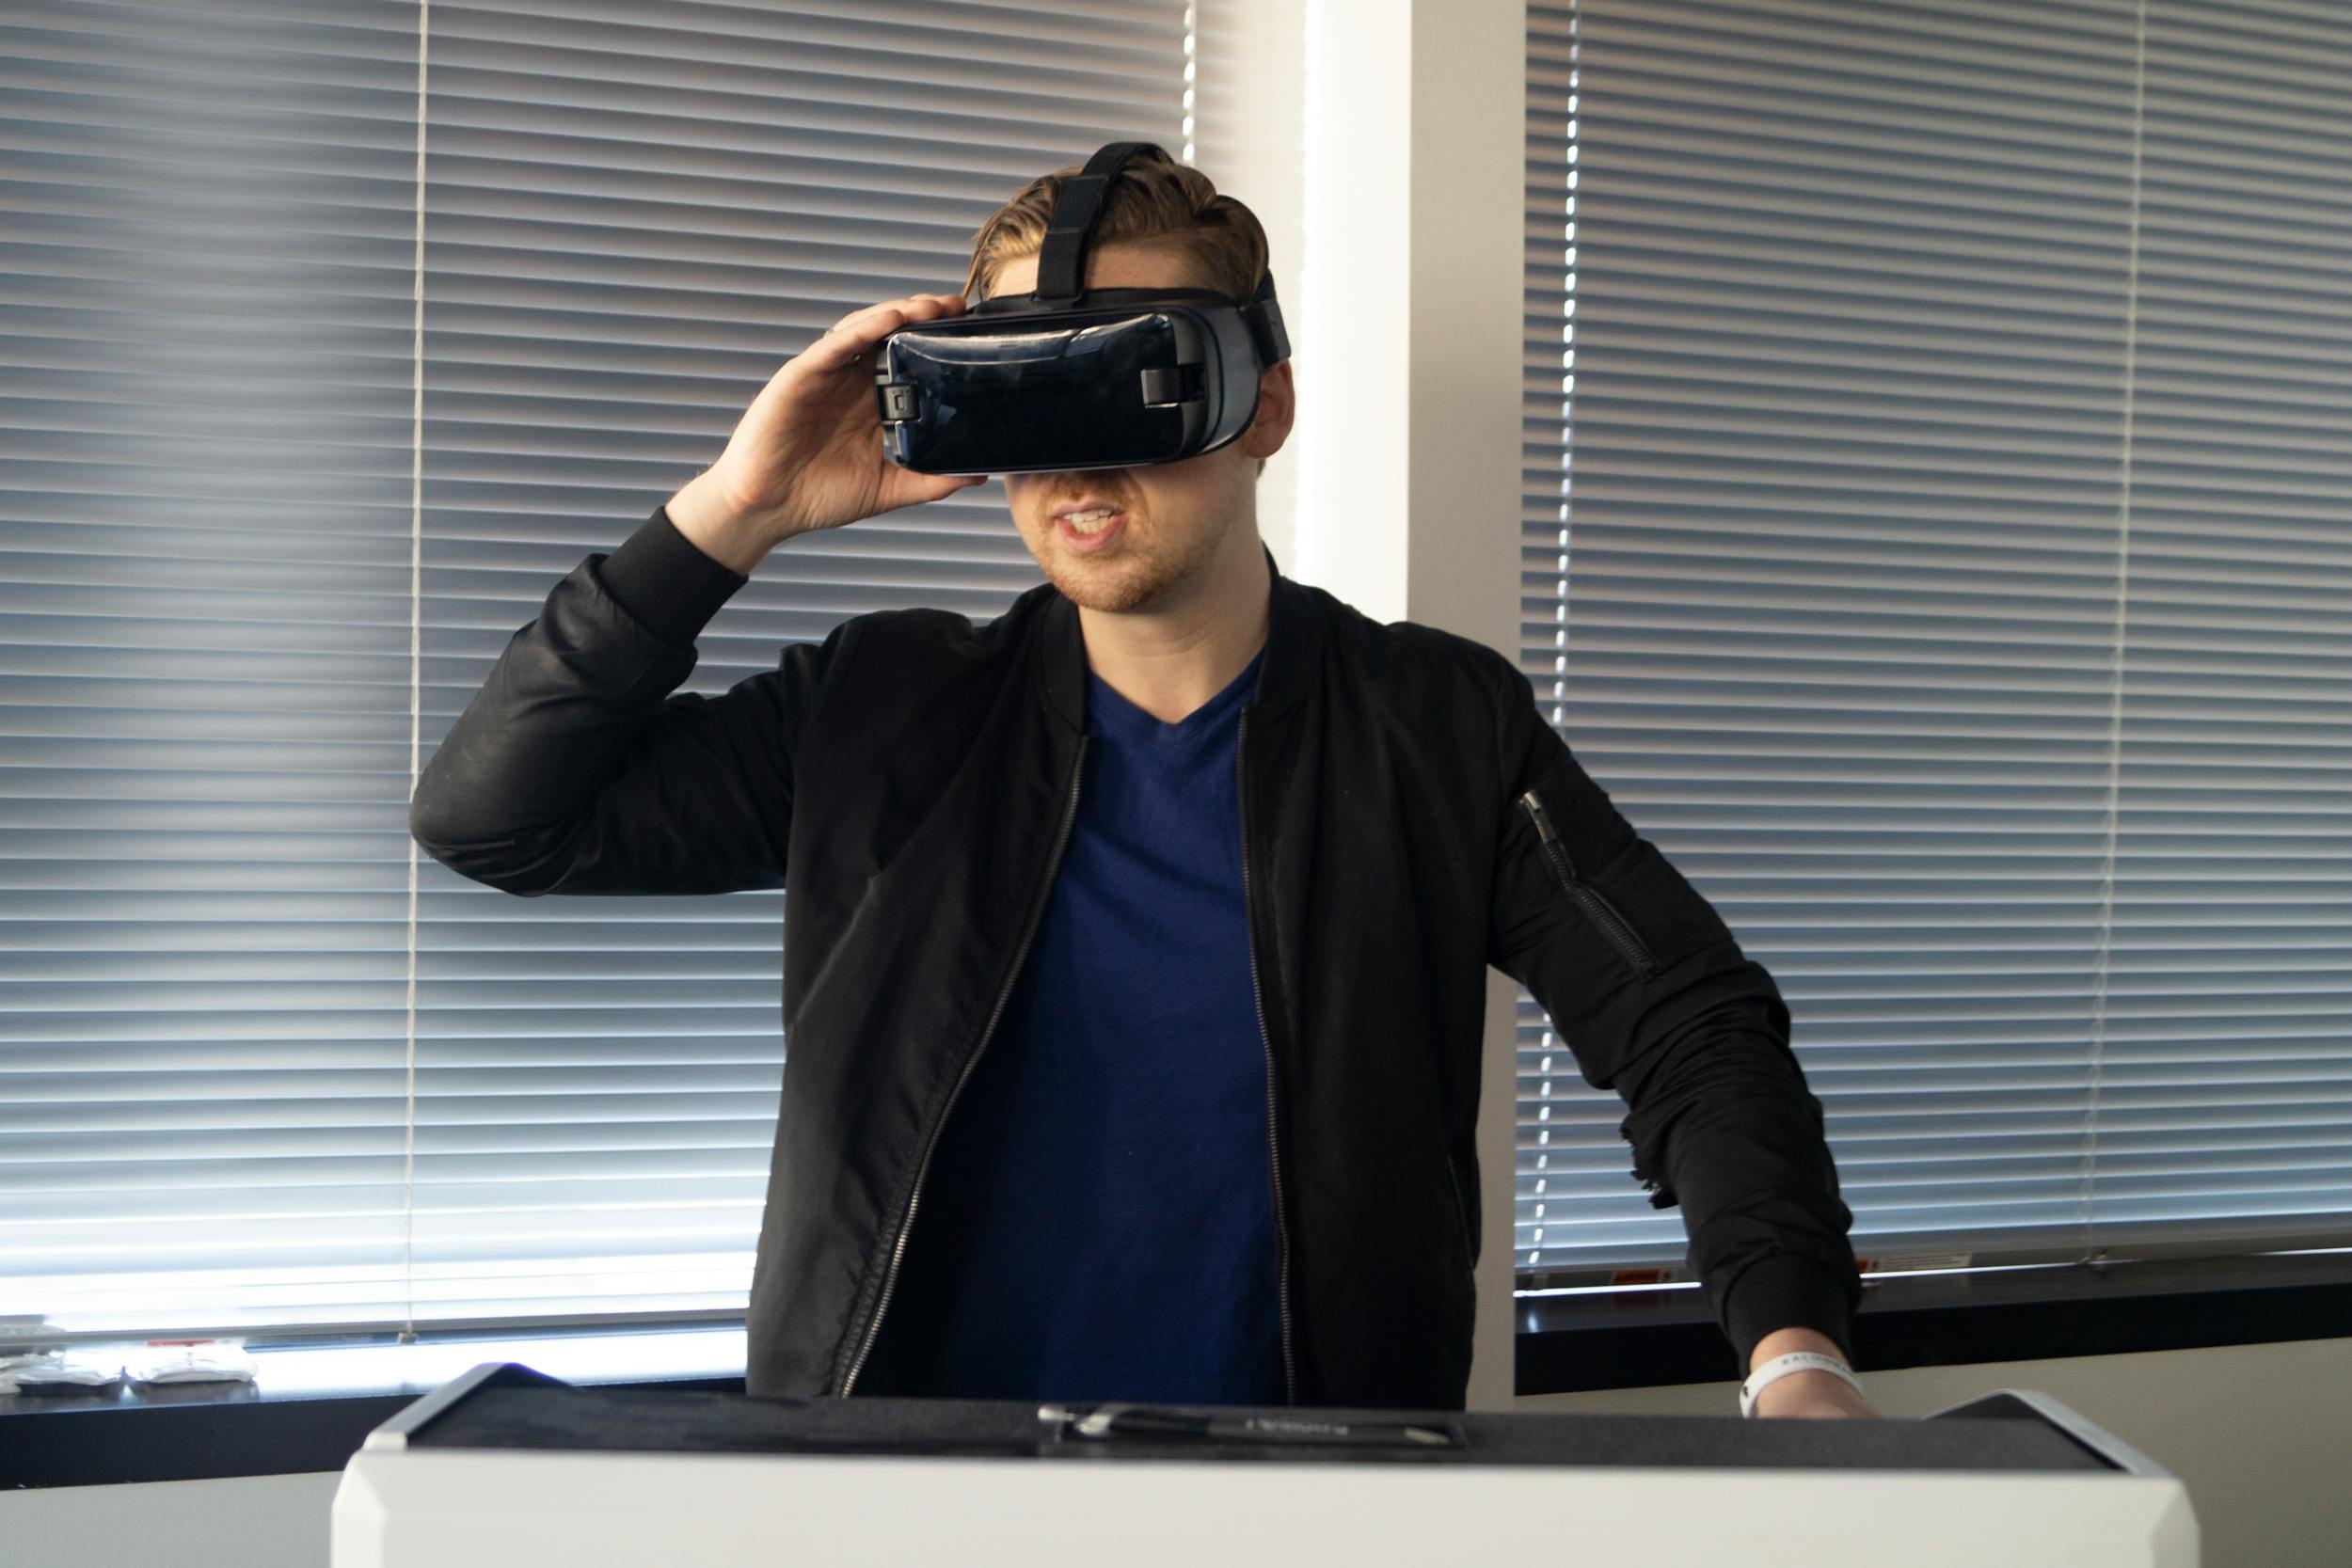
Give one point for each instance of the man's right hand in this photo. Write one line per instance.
(808, 452)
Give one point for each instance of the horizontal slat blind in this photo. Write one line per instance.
(2225, 1094)
(204, 482)
(1947, 586)
(228, 438)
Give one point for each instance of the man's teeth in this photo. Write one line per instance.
(1092, 522)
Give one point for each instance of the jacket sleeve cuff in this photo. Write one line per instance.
(1788, 1291)
(665, 582)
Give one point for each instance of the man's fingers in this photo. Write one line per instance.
(922, 304)
(860, 330)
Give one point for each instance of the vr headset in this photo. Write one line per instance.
(1066, 378)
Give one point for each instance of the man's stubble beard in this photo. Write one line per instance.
(1138, 579)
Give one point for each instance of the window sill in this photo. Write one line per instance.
(1652, 1337)
(312, 1407)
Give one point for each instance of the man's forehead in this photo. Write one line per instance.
(1113, 267)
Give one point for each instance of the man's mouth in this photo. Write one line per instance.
(1083, 530)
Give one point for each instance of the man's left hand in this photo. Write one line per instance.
(1811, 1395)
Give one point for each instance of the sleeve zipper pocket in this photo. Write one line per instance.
(1597, 908)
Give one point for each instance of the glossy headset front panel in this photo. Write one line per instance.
(993, 396)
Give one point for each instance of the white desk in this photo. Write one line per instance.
(502, 1467)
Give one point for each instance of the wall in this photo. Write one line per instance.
(256, 1522)
(1251, 141)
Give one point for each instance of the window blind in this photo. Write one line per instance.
(1954, 584)
(335, 333)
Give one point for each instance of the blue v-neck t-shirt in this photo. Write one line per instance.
(1097, 1220)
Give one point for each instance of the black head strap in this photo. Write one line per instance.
(1265, 320)
(1061, 259)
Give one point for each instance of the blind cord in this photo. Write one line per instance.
(416, 708)
(2092, 1253)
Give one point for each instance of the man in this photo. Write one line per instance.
(1136, 941)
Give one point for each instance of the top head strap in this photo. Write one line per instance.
(1061, 259)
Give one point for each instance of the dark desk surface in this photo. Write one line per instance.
(516, 1410)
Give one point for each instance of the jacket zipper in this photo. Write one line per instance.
(906, 1224)
(1257, 1003)
(1597, 908)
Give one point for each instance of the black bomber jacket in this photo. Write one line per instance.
(1408, 818)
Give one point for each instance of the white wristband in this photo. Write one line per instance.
(1781, 1366)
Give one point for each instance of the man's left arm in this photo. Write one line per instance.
(1652, 994)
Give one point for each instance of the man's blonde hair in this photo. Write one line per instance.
(1155, 200)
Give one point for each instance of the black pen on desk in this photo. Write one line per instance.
(1127, 1421)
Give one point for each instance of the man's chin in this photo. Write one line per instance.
(1110, 587)
(1105, 592)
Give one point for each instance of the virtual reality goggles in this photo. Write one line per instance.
(1064, 378)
